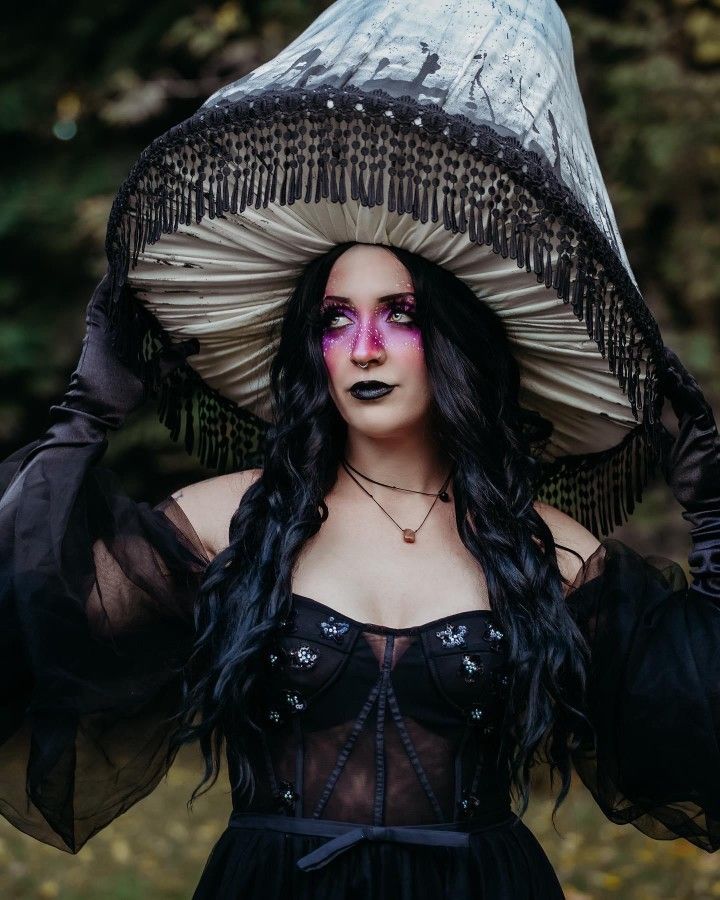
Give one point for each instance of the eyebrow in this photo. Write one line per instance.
(386, 299)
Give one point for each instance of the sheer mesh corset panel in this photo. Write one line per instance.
(363, 723)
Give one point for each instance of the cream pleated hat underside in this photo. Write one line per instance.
(226, 281)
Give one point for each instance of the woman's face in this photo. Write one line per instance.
(368, 315)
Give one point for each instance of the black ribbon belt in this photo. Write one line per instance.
(344, 835)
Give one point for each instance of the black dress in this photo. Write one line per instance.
(377, 770)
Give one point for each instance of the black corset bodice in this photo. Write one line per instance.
(359, 723)
(377, 725)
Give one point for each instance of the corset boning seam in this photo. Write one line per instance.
(480, 762)
(299, 765)
(269, 765)
(458, 770)
(412, 752)
(378, 806)
(347, 748)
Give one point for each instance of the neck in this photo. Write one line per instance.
(411, 459)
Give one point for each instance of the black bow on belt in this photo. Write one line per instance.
(344, 835)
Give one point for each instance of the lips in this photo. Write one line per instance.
(370, 390)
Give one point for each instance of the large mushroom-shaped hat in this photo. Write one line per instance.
(455, 130)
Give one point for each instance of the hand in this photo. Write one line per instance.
(102, 392)
(692, 465)
(102, 385)
(681, 389)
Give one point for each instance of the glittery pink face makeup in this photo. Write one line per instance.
(390, 327)
(370, 332)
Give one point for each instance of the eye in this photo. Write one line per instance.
(399, 311)
(330, 314)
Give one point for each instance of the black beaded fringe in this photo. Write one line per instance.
(328, 144)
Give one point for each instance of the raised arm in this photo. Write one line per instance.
(654, 680)
(96, 603)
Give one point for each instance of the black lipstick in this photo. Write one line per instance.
(370, 390)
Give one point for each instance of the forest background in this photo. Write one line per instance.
(86, 86)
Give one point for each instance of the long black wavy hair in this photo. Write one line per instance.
(493, 443)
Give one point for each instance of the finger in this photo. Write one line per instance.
(675, 380)
(96, 311)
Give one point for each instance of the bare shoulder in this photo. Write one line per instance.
(570, 533)
(210, 504)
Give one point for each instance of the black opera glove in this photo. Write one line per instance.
(692, 470)
(102, 386)
(103, 391)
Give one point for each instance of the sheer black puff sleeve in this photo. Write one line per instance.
(97, 595)
(653, 695)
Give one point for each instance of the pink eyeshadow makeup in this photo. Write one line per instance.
(374, 331)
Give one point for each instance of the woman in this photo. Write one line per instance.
(446, 425)
(326, 717)
(375, 727)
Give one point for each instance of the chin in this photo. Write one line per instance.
(386, 423)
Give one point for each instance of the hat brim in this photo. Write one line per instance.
(220, 215)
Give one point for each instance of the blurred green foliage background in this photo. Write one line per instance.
(86, 86)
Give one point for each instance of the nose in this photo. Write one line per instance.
(368, 345)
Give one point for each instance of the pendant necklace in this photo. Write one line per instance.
(407, 533)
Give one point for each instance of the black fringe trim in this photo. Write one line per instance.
(605, 485)
(305, 146)
(222, 435)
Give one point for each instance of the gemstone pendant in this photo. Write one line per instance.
(408, 535)
(443, 495)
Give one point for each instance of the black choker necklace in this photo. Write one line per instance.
(408, 534)
(442, 494)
